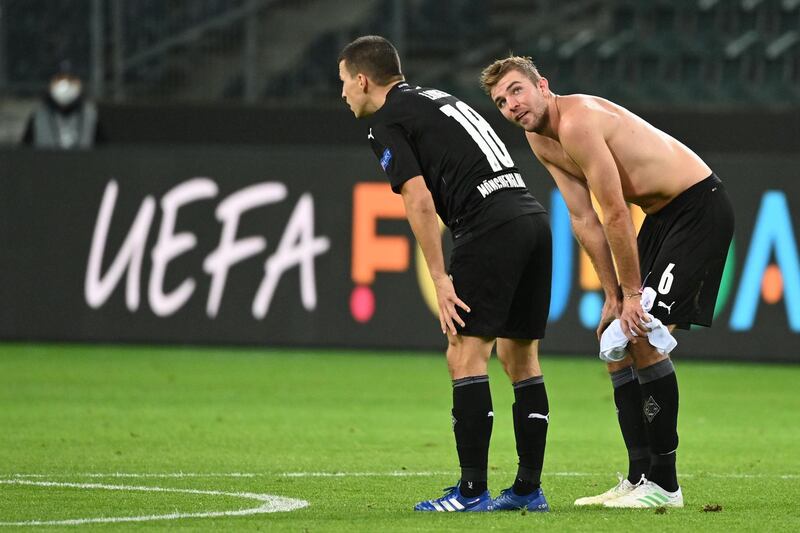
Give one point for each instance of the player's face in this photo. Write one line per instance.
(521, 101)
(352, 91)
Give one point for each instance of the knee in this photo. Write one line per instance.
(520, 370)
(645, 355)
(467, 357)
(519, 364)
(508, 366)
(458, 360)
(454, 349)
(619, 365)
(516, 369)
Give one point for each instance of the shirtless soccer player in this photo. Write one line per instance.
(591, 145)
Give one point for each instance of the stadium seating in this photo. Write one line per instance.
(679, 52)
(36, 44)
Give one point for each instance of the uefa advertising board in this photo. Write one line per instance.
(308, 246)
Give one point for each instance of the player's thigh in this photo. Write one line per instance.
(530, 305)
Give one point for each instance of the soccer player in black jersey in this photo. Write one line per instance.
(589, 144)
(445, 159)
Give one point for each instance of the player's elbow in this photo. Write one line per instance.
(418, 200)
(615, 216)
(420, 204)
(584, 220)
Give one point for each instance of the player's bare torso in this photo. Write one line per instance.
(653, 167)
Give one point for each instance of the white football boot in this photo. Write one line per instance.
(622, 488)
(647, 494)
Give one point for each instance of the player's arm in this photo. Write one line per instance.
(584, 142)
(589, 231)
(421, 214)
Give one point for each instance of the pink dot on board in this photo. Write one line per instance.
(362, 303)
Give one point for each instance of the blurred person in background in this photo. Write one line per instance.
(65, 119)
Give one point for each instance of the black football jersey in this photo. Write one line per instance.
(471, 176)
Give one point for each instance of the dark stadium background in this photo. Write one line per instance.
(246, 91)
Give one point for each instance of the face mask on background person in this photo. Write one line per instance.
(65, 91)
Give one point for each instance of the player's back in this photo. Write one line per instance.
(471, 176)
(654, 167)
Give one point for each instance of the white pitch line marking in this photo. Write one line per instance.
(554, 474)
(269, 504)
(395, 473)
(146, 475)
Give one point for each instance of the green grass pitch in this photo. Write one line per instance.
(361, 437)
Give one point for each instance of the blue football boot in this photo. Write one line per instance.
(454, 501)
(509, 501)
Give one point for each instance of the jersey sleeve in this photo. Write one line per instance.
(395, 155)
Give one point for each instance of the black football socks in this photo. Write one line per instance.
(628, 399)
(472, 425)
(531, 418)
(660, 407)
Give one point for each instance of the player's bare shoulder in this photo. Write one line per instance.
(581, 113)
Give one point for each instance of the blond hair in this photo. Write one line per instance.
(494, 72)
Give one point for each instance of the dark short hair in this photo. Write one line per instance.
(374, 56)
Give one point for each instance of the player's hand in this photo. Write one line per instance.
(632, 318)
(611, 310)
(448, 300)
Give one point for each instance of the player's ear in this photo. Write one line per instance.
(544, 86)
(363, 82)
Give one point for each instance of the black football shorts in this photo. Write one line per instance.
(682, 253)
(504, 276)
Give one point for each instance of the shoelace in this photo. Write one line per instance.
(504, 492)
(447, 492)
(621, 478)
(640, 484)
